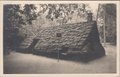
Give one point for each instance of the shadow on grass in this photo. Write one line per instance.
(85, 57)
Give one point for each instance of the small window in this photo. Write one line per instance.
(58, 35)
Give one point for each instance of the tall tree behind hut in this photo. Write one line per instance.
(107, 21)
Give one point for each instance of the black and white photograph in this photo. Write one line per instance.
(60, 37)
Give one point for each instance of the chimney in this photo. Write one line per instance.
(89, 17)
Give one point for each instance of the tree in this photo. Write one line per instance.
(14, 18)
(107, 22)
(29, 12)
(63, 12)
(12, 21)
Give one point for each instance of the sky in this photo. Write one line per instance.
(94, 7)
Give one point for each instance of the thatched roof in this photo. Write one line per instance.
(71, 36)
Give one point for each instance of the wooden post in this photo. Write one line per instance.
(58, 36)
(58, 55)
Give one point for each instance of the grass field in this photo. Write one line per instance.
(21, 63)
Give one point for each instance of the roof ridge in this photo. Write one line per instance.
(67, 24)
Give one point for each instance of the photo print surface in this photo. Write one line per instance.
(59, 38)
